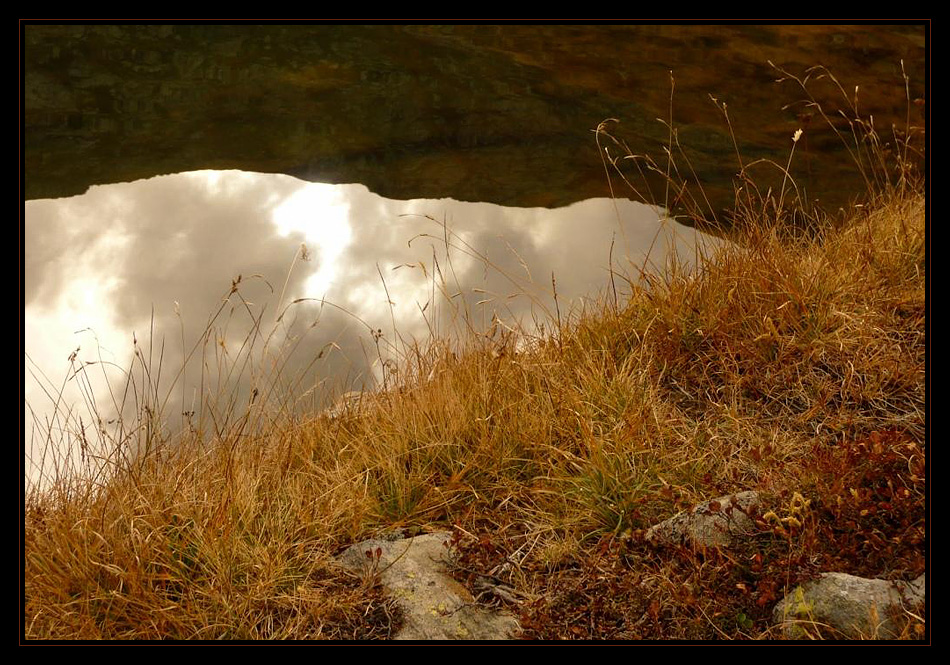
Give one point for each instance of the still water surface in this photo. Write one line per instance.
(146, 265)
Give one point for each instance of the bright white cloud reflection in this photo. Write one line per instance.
(321, 213)
(154, 259)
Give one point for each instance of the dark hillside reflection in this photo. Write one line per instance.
(155, 258)
(499, 113)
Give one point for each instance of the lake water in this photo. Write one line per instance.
(144, 266)
(219, 283)
(499, 113)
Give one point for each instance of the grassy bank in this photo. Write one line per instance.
(785, 367)
(792, 363)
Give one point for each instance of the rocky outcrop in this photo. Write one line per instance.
(434, 606)
(836, 605)
(852, 607)
(502, 114)
(713, 523)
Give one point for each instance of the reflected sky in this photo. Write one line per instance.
(148, 265)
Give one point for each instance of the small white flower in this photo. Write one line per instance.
(798, 135)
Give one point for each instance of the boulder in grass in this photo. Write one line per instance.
(712, 523)
(434, 605)
(841, 605)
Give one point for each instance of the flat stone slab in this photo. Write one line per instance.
(434, 606)
(712, 523)
(855, 607)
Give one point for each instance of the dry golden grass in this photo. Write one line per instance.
(789, 363)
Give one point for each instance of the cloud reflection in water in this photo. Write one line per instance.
(154, 258)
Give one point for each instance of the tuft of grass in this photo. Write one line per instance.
(786, 362)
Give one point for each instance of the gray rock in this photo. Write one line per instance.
(710, 524)
(434, 606)
(854, 607)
